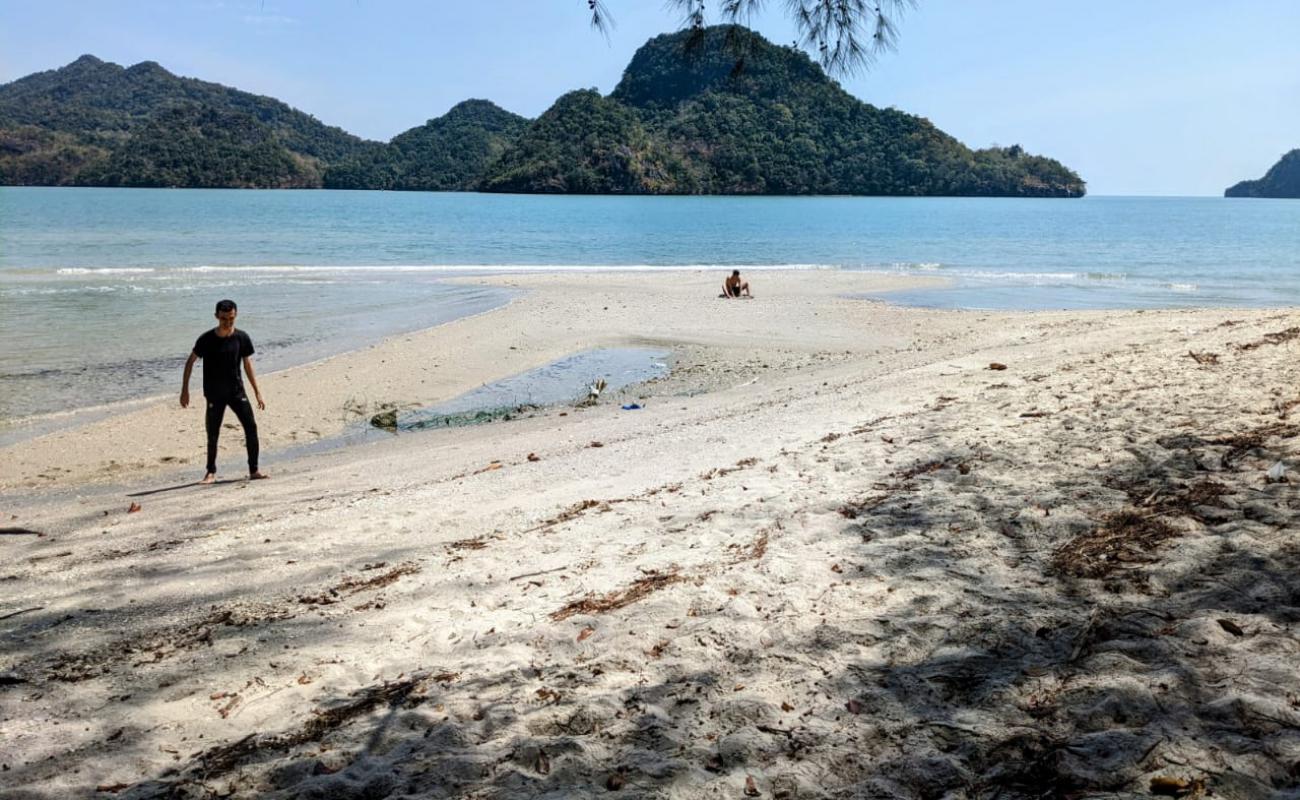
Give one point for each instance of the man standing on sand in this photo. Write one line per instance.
(223, 349)
(733, 286)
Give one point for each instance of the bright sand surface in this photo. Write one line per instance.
(836, 554)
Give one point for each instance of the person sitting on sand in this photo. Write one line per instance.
(734, 286)
(223, 349)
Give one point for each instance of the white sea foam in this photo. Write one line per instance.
(1182, 288)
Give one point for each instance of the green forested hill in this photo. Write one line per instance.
(764, 120)
(589, 144)
(709, 119)
(65, 126)
(1281, 180)
(201, 147)
(449, 153)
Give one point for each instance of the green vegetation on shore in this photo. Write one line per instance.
(709, 119)
(1282, 180)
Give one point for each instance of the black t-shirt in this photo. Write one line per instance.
(222, 357)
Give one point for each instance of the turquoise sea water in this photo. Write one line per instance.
(102, 291)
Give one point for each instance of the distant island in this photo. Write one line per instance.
(709, 120)
(1282, 180)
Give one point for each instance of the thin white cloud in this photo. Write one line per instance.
(267, 20)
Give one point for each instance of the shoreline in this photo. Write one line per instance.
(95, 414)
(865, 560)
(112, 428)
(24, 428)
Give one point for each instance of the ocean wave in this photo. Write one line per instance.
(986, 275)
(1023, 277)
(1182, 288)
(105, 270)
(924, 266)
(161, 288)
(294, 269)
(502, 268)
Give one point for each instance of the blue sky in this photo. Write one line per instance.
(1172, 97)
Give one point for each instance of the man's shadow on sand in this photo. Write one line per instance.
(180, 486)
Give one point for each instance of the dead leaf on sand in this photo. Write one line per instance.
(1177, 787)
(134, 508)
(751, 787)
(229, 706)
(585, 633)
(534, 457)
(997, 366)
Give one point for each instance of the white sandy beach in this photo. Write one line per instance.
(836, 554)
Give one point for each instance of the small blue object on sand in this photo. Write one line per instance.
(631, 407)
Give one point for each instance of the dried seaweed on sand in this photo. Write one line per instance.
(1276, 337)
(572, 512)
(600, 604)
(1124, 538)
(349, 586)
(1241, 443)
(222, 759)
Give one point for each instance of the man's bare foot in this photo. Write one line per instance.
(258, 476)
(209, 478)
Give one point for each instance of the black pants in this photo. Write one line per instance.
(244, 410)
